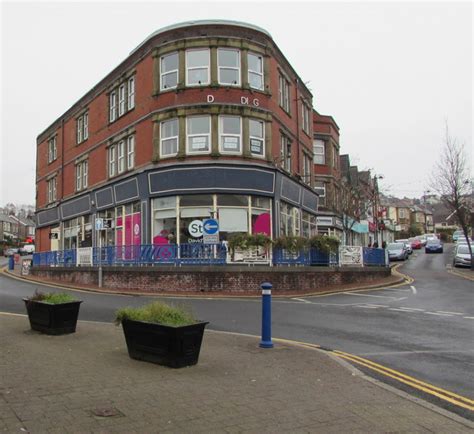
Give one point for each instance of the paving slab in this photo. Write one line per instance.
(85, 382)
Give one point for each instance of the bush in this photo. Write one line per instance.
(246, 241)
(157, 313)
(291, 244)
(324, 243)
(52, 297)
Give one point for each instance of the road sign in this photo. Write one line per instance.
(210, 226)
(195, 228)
(210, 239)
(99, 224)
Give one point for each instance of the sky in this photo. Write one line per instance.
(390, 73)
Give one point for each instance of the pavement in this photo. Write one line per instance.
(86, 383)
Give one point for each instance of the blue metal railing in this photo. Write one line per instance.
(194, 254)
(374, 257)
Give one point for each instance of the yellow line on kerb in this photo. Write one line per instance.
(446, 395)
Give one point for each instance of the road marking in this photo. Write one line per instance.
(450, 313)
(412, 308)
(303, 300)
(377, 305)
(439, 314)
(413, 289)
(365, 306)
(468, 317)
(445, 395)
(400, 310)
(371, 295)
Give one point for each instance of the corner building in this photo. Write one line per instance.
(203, 119)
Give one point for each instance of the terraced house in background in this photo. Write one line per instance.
(202, 119)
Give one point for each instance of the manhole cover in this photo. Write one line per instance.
(106, 412)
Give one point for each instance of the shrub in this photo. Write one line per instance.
(290, 243)
(246, 241)
(52, 297)
(324, 243)
(158, 313)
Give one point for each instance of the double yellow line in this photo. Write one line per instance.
(445, 395)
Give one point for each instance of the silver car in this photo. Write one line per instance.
(397, 252)
(462, 258)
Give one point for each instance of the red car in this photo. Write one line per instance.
(415, 244)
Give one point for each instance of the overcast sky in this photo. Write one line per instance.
(389, 73)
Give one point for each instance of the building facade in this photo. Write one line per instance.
(203, 119)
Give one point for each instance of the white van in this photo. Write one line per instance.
(27, 249)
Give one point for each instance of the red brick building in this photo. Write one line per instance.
(327, 174)
(202, 119)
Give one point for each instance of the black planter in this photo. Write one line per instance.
(175, 347)
(53, 319)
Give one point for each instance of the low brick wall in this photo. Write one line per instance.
(232, 279)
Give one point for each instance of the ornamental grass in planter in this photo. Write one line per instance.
(52, 313)
(162, 334)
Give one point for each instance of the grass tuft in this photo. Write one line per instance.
(158, 313)
(52, 297)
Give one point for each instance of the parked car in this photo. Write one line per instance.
(397, 251)
(457, 234)
(433, 245)
(27, 249)
(431, 237)
(407, 245)
(462, 257)
(422, 239)
(11, 251)
(415, 243)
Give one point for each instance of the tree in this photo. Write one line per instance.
(451, 181)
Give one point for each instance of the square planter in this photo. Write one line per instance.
(174, 347)
(53, 319)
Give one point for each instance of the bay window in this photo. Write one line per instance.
(197, 67)
(169, 66)
(198, 134)
(169, 138)
(255, 71)
(228, 65)
(230, 134)
(257, 137)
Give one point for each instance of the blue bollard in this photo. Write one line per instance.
(11, 263)
(266, 341)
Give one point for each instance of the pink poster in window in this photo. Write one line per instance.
(128, 230)
(118, 232)
(262, 224)
(136, 229)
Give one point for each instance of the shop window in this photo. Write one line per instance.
(198, 134)
(228, 63)
(127, 228)
(257, 137)
(197, 67)
(319, 152)
(107, 236)
(169, 68)
(232, 200)
(309, 227)
(289, 220)
(233, 220)
(261, 217)
(77, 233)
(255, 71)
(230, 134)
(169, 138)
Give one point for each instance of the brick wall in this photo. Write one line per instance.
(236, 280)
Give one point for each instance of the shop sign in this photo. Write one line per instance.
(244, 100)
(84, 256)
(324, 221)
(195, 228)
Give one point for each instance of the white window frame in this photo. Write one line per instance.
(82, 170)
(189, 151)
(121, 99)
(238, 68)
(85, 173)
(112, 161)
(131, 93)
(121, 163)
(305, 117)
(52, 149)
(52, 190)
(222, 135)
(79, 129)
(85, 125)
(162, 138)
(319, 144)
(260, 139)
(113, 106)
(318, 189)
(284, 93)
(130, 152)
(208, 66)
(251, 71)
(173, 71)
(306, 169)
